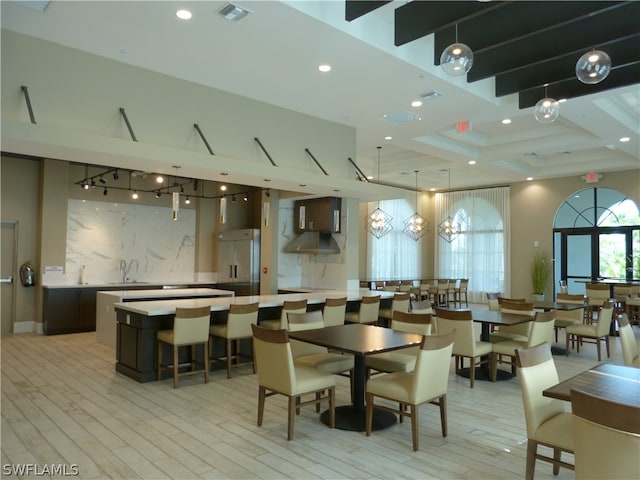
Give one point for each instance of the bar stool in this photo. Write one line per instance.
(238, 327)
(190, 328)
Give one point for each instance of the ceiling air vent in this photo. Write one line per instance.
(233, 12)
(399, 118)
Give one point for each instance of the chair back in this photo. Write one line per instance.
(464, 284)
(460, 322)
(400, 302)
(596, 292)
(576, 316)
(240, 319)
(191, 325)
(493, 301)
(419, 323)
(622, 291)
(291, 306)
(369, 309)
(405, 286)
(431, 373)
(297, 322)
(606, 436)
(605, 315)
(630, 353)
(517, 307)
(542, 328)
(537, 372)
(273, 359)
(421, 307)
(512, 300)
(334, 311)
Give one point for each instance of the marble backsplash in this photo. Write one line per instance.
(101, 235)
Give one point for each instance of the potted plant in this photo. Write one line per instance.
(539, 275)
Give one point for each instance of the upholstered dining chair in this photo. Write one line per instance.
(277, 374)
(628, 341)
(606, 435)
(288, 306)
(368, 313)
(402, 360)
(566, 318)
(399, 303)
(541, 332)
(518, 332)
(465, 344)
(238, 327)
(315, 356)
(592, 333)
(190, 328)
(547, 422)
(461, 290)
(492, 301)
(334, 311)
(439, 293)
(427, 383)
(596, 294)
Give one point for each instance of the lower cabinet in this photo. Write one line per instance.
(69, 310)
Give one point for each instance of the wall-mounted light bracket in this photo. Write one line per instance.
(206, 144)
(27, 99)
(126, 121)
(315, 160)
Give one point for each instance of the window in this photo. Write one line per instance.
(480, 251)
(394, 256)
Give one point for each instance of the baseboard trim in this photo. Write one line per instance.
(28, 327)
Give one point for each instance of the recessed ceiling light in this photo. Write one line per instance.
(223, 188)
(183, 14)
(324, 68)
(472, 162)
(159, 179)
(529, 179)
(416, 103)
(506, 121)
(624, 139)
(432, 189)
(389, 137)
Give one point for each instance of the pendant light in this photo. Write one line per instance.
(378, 223)
(449, 229)
(593, 67)
(457, 59)
(415, 226)
(547, 110)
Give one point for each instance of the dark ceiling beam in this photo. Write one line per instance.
(356, 8)
(574, 37)
(416, 19)
(516, 20)
(622, 52)
(618, 77)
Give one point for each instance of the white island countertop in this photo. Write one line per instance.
(106, 300)
(168, 307)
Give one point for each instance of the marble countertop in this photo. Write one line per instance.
(151, 285)
(167, 292)
(168, 307)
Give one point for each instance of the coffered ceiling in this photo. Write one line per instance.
(384, 55)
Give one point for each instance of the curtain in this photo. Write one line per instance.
(394, 256)
(480, 251)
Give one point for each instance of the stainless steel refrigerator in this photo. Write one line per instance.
(239, 261)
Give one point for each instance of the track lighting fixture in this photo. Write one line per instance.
(105, 192)
(195, 185)
(158, 194)
(187, 200)
(233, 198)
(245, 197)
(267, 193)
(102, 180)
(115, 175)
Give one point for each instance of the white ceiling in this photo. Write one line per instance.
(272, 55)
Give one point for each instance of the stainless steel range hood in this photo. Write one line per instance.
(314, 243)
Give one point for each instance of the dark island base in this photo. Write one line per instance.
(347, 418)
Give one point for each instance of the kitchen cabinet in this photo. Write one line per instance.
(69, 310)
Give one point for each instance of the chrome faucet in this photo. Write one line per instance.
(133, 262)
(123, 271)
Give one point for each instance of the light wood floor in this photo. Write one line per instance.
(63, 402)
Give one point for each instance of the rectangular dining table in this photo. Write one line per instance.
(617, 383)
(359, 340)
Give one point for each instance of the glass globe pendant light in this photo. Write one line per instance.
(593, 67)
(415, 226)
(378, 222)
(457, 59)
(547, 110)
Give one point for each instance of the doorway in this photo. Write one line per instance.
(8, 270)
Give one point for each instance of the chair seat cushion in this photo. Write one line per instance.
(483, 348)
(165, 336)
(395, 385)
(404, 361)
(218, 330)
(508, 347)
(326, 362)
(310, 380)
(270, 324)
(566, 322)
(557, 431)
(586, 330)
(505, 336)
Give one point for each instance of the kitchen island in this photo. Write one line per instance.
(106, 316)
(138, 322)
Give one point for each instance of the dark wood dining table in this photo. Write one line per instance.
(359, 340)
(616, 383)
